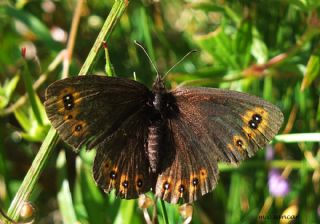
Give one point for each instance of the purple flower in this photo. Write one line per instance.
(278, 186)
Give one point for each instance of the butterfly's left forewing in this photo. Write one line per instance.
(87, 109)
(212, 125)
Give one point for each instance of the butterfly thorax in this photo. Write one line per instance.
(159, 91)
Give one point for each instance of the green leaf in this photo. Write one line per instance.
(64, 195)
(32, 130)
(305, 4)
(259, 50)
(92, 198)
(126, 211)
(23, 118)
(219, 45)
(27, 78)
(267, 89)
(208, 7)
(234, 213)
(313, 69)
(145, 26)
(6, 91)
(243, 43)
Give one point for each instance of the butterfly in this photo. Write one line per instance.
(167, 141)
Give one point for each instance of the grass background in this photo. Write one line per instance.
(266, 48)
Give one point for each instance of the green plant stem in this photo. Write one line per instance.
(51, 139)
(299, 137)
(31, 93)
(164, 212)
(33, 174)
(280, 164)
(108, 67)
(113, 18)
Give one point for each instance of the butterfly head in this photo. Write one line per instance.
(158, 85)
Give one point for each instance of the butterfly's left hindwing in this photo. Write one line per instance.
(121, 162)
(212, 125)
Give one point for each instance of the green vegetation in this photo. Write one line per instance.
(266, 48)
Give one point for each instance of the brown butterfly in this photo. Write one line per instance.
(169, 142)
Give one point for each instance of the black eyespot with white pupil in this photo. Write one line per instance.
(78, 127)
(239, 143)
(195, 181)
(166, 186)
(181, 188)
(68, 101)
(125, 184)
(253, 124)
(139, 183)
(257, 118)
(113, 175)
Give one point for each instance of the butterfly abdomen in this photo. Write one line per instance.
(154, 140)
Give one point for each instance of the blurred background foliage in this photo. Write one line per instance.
(266, 48)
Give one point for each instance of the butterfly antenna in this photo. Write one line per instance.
(175, 65)
(151, 62)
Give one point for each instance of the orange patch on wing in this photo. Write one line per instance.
(71, 115)
(263, 125)
(124, 184)
(181, 188)
(107, 166)
(66, 91)
(194, 184)
(166, 181)
(249, 113)
(114, 171)
(79, 128)
(230, 147)
(60, 106)
(107, 170)
(194, 181)
(240, 143)
(203, 174)
(249, 132)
